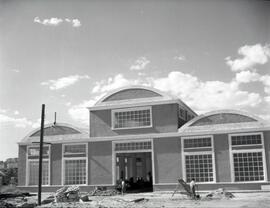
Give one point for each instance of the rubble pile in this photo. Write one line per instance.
(15, 198)
(102, 191)
(67, 194)
(220, 194)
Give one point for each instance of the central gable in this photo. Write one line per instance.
(133, 93)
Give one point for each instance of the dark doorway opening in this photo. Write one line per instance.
(136, 170)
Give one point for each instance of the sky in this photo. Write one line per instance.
(68, 54)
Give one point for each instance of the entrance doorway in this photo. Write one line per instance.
(136, 170)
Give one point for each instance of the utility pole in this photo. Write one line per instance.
(54, 123)
(41, 154)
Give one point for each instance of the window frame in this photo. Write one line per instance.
(247, 150)
(196, 152)
(64, 159)
(128, 110)
(27, 180)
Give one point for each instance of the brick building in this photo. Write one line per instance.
(149, 138)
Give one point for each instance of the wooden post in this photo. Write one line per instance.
(41, 154)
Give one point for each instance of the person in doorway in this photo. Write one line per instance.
(192, 185)
(123, 186)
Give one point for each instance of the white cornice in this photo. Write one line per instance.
(135, 103)
(153, 135)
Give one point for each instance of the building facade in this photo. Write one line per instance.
(150, 139)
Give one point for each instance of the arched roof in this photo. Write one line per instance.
(54, 132)
(222, 119)
(133, 92)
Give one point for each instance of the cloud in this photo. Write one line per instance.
(22, 122)
(54, 21)
(76, 23)
(206, 96)
(16, 112)
(68, 104)
(16, 70)
(265, 79)
(80, 113)
(140, 64)
(252, 56)
(180, 58)
(37, 123)
(64, 82)
(17, 122)
(113, 83)
(202, 96)
(247, 76)
(3, 110)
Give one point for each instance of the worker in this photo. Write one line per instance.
(123, 186)
(192, 185)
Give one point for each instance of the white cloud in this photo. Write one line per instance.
(16, 70)
(113, 83)
(247, 76)
(76, 23)
(54, 21)
(180, 58)
(267, 99)
(252, 55)
(206, 96)
(141, 74)
(140, 64)
(202, 96)
(17, 122)
(80, 112)
(37, 123)
(265, 79)
(3, 110)
(68, 104)
(16, 112)
(64, 81)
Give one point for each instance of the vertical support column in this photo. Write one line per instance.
(41, 155)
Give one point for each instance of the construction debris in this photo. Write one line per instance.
(68, 194)
(220, 194)
(12, 197)
(15, 194)
(139, 200)
(102, 191)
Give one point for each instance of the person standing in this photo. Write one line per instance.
(123, 186)
(192, 185)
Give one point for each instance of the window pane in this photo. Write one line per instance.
(199, 167)
(34, 151)
(33, 172)
(75, 149)
(249, 170)
(130, 119)
(197, 142)
(246, 139)
(75, 172)
(133, 146)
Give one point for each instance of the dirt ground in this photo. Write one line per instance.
(165, 200)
